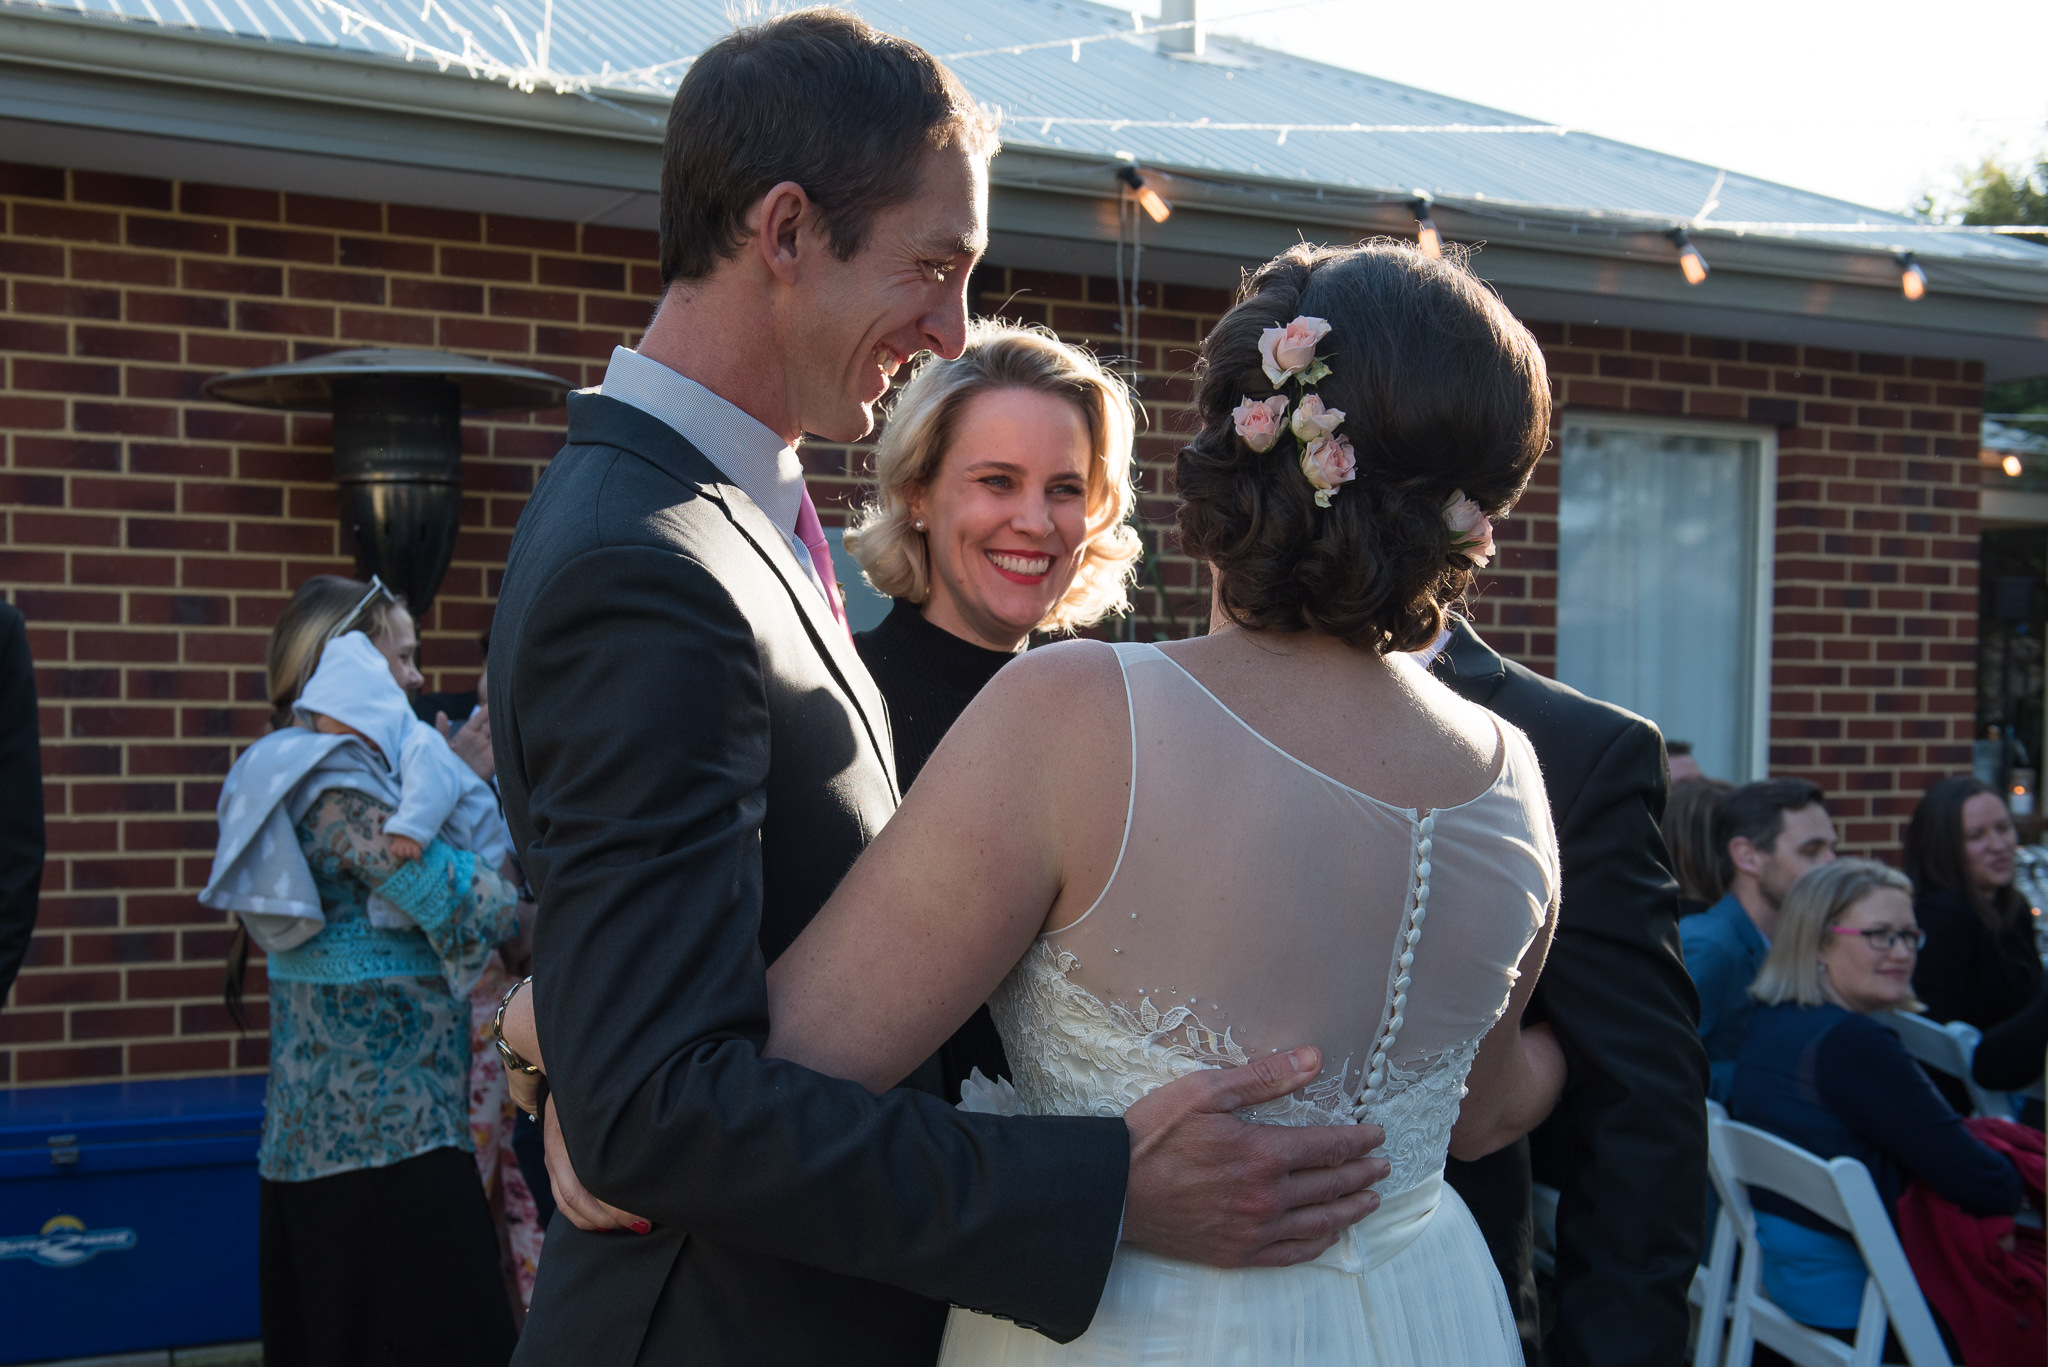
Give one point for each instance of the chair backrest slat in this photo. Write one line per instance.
(1841, 1192)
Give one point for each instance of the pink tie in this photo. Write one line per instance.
(812, 535)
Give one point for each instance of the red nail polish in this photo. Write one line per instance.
(640, 1226)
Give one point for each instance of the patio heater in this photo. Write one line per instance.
(397, 445)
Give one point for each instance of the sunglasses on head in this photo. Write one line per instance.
(377, 589)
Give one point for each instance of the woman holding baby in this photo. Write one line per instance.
(376, 1240)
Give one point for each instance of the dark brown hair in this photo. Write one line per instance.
(817, 97)
(1935, 857)
(1442, 390)
(1689, 835)
(1756, 812)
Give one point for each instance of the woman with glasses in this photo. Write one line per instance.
(376, 1241)
(1818, 1070)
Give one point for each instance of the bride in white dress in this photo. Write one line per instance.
(1153, 859)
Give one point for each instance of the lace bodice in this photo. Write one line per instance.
(1258, 904)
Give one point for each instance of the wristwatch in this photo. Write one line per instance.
(513, 1063)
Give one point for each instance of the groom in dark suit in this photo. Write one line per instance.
(692, 756)
(1627, 1145)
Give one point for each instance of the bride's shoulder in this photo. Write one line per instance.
(1063, 685)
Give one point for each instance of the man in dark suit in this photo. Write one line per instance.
(21, 796)
(1627, 1145)
(691, 757)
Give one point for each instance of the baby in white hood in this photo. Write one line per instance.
(352, 693)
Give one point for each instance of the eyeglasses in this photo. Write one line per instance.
(377, 589)
(1882, 938)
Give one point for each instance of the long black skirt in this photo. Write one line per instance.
(392, 1266)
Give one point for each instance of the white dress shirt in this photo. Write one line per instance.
(763, 465)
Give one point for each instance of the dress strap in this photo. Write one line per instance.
(1126, 651)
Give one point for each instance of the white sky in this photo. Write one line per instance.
(1873, 101)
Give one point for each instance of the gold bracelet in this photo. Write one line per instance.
(513, 1063)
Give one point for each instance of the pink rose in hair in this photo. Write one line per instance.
(1259, 422)
(1328, 462)
(1286, 352)
(1471, 530)
(1312, 420)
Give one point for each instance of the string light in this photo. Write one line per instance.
(1426, 236)
(1148, 198)
(2011, 466)
(1689, 259)
(1912, 279)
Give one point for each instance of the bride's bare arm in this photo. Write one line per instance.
(1519, 1073)
(950, 894)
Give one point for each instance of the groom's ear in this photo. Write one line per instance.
(778, 226)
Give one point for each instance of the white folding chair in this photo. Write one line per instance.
(1841, 1192)
(1946, 1049)
(1712, 1279)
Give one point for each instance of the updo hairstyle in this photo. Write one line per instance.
(1442, 390)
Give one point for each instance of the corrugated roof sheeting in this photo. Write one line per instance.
(1115, 77)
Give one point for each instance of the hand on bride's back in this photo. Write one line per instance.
(1208, 1187)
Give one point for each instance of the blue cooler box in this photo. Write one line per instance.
(128, 1216)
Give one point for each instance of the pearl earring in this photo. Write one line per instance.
(920, 524)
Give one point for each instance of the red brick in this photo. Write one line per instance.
(340, 286)
(232, 277)
(553, 305)
(441, 296)
(502, 230)
(385, 254)
(180, 1056)
(279, 244)
(570, 272)
(469, 263)
(177, 235)
(321, 212)
(406, 220)
(67, 301)
(32, 1066)
(228, 201)
(19, 335)
(177, 310)
(70, 225)
(31, 182)
(298, 320)
(130, 344)
(633, 243)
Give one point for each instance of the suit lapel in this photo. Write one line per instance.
(593, 418)
(827, 635)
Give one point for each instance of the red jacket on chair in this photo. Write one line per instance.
(1984, 1275)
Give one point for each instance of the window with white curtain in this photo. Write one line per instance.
(1664, 535)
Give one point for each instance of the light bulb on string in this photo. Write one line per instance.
(1427, 238)
(2011, 466)
(1689, 259)
(1148, 198)
(1912, 279)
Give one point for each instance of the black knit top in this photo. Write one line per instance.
(927, 676)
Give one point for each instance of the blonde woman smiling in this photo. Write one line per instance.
(1003, 489)
(1817, 1070)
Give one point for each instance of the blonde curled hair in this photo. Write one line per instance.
(921, 425)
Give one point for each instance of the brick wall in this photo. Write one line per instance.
(151, 537)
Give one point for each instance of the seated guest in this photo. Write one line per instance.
(1980, 964)
(1817, 1070)
(1678, 757)
(1766, 834)
(1689, 838)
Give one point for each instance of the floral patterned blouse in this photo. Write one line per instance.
(370, 1072)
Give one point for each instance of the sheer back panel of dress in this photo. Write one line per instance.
(1258, 904)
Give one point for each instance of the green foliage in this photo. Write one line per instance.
(1997, 194)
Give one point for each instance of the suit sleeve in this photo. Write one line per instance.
(21, 798)
(651, 998)
(1626, 1146)
(1721, 981)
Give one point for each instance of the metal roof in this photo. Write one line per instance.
(622, 51)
